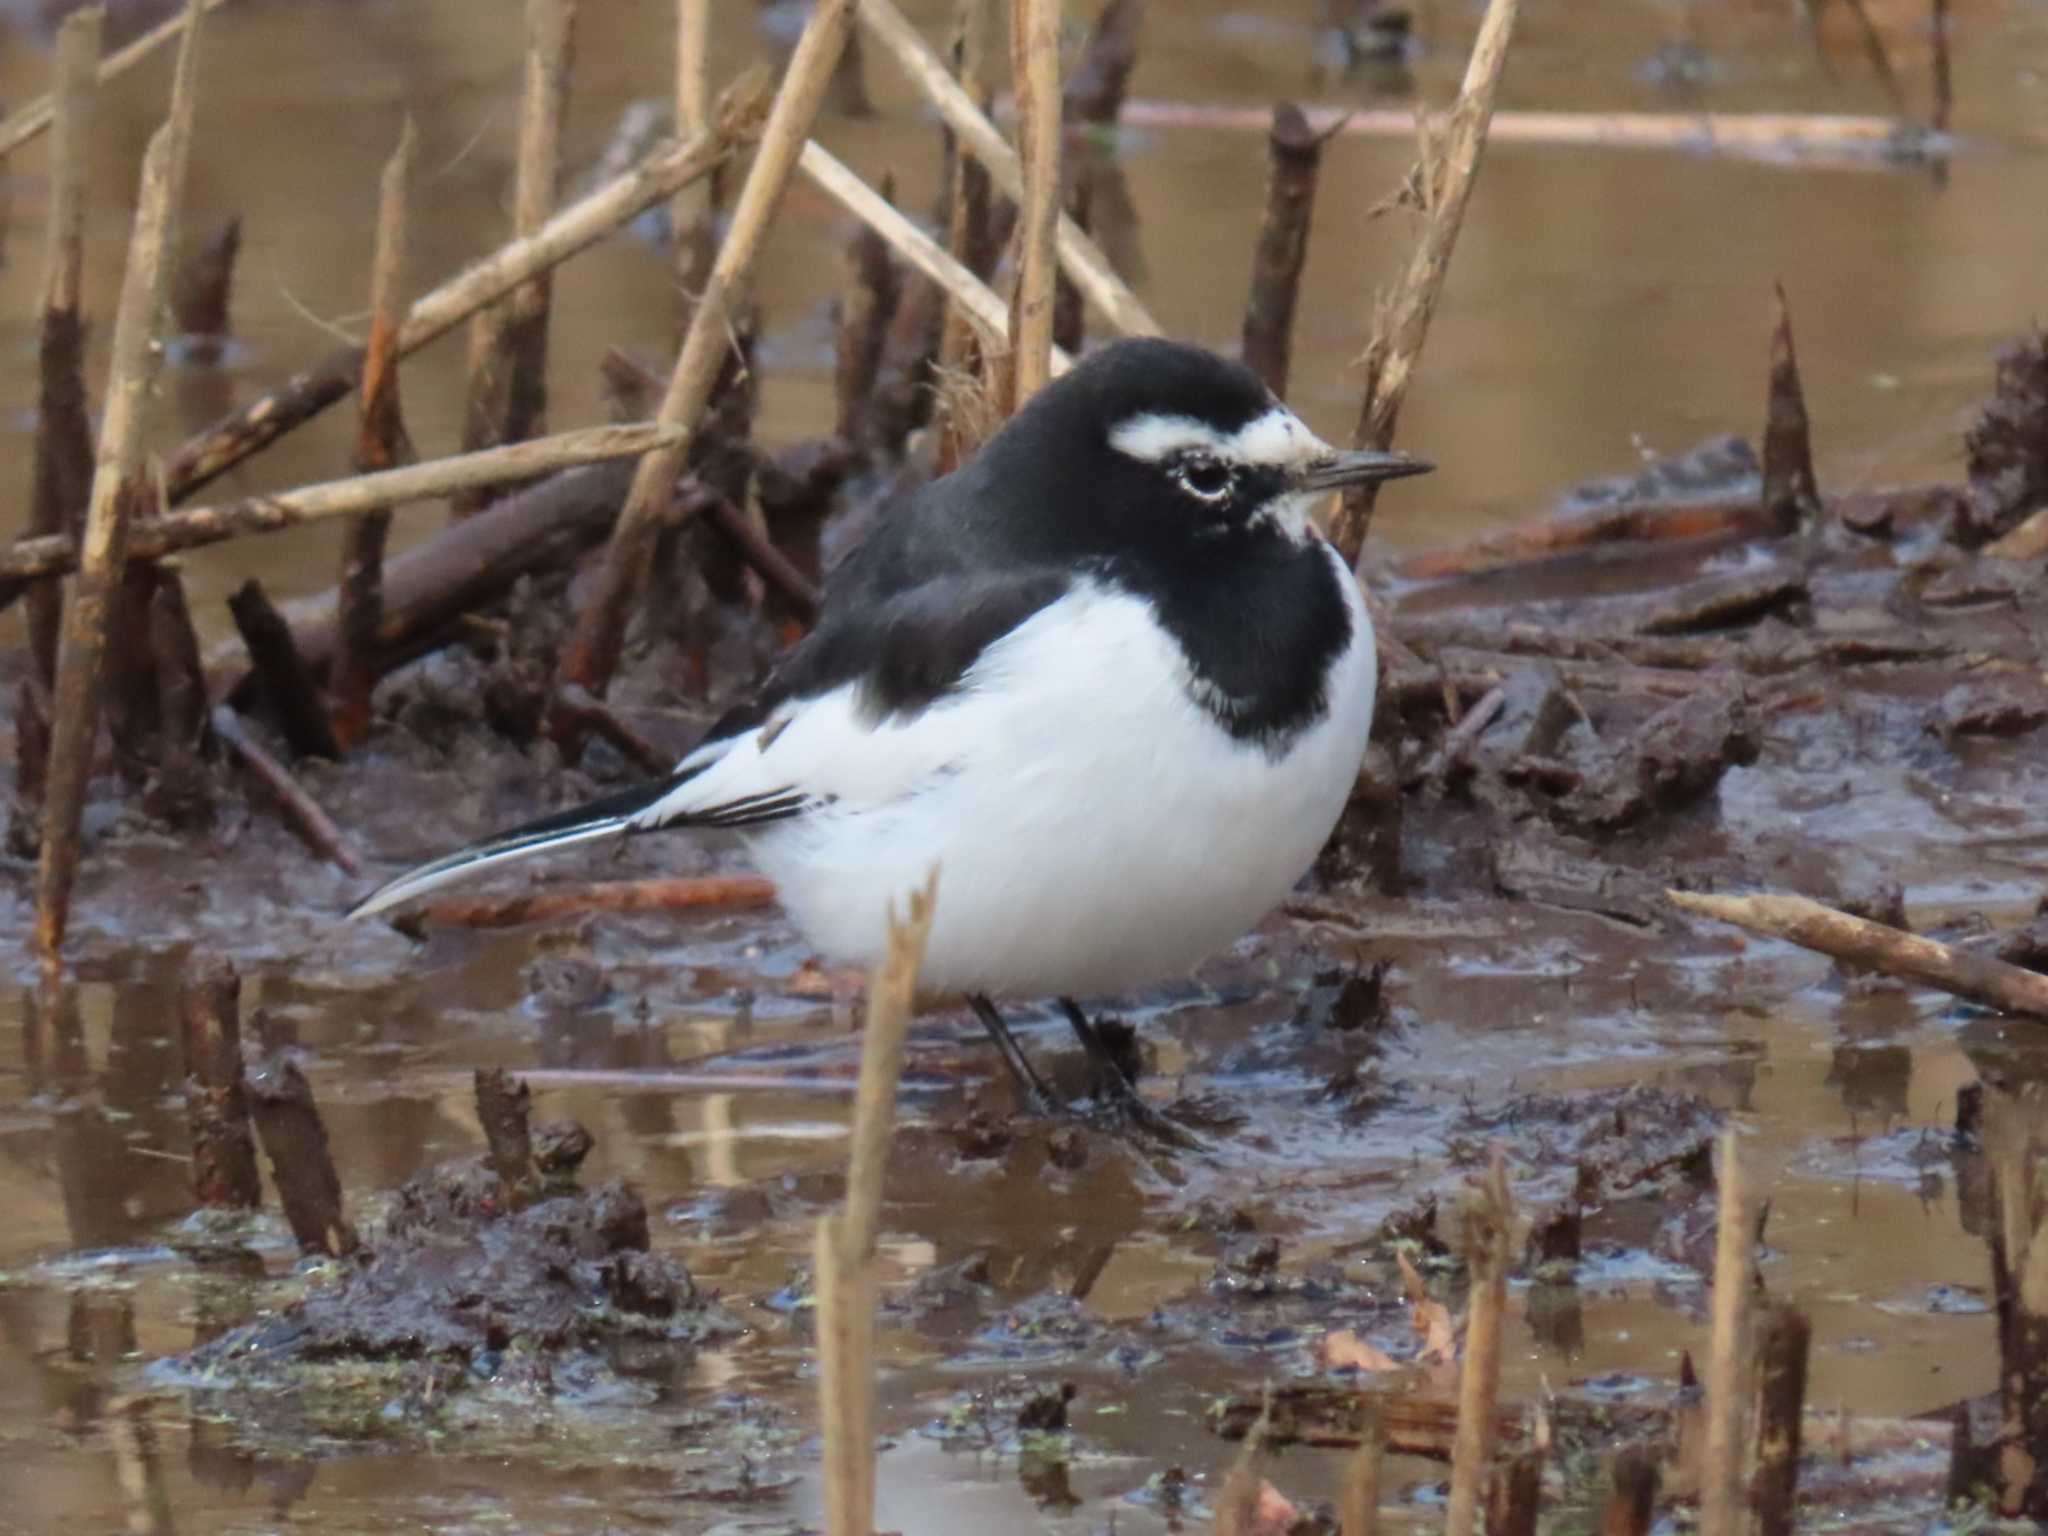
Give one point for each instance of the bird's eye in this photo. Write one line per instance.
(1203, 477)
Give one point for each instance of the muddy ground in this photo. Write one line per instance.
(1073, 1324)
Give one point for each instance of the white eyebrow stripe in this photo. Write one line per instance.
(1275, 437)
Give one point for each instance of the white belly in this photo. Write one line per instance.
(1093, 828)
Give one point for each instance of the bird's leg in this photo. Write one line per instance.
(1115, 1090)
(1029, 1083)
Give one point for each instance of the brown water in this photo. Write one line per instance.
(1603, 305)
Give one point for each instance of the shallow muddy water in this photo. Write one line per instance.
(1604, 305)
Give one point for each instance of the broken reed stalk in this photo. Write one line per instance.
(1721, 1476)
(1516, 1498)
(301, 1162)
(102, 552)
(1035, 88)
(504, 1112)
(1448, 166)
(216, 1104)
(300, 811)
(2014, 1121)
(1237, 1501)
(1632, 1502)
(693, 66)
(1082, 258)
(846, 1243)
(38, 116)
(1791, 495)
(234, 438)
(182, 790)
(868, 300)
(1488, 1231)
(592, 653)
(1784, 1337)
(1944, 79)
(1879, 947)
(197, 526)
(1294, 158)
(202, 290)
(695, 893)
(382, 443)
(62, 476)
(976, 300)
(508, 343)
(287, 684)
(1358, 1501)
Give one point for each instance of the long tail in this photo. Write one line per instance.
(612, 816)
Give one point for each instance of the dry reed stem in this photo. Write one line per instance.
(381, 443)
(102, 551)
(194, 526)
(1821, 139)
(693, 65)
(226, 443)
(36, 118)
(1880, 947)
(508, 351)
(1489, 1223)
(1721, 1477)
(975, 299)
(183, 110)
(1450, 163)
(1080, 256)
(1358, 1501)
(593, 650)
(62, 473)
(1237, 1501)
(1035, 86)
(845, 1281)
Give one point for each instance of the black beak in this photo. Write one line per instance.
(1342, 469)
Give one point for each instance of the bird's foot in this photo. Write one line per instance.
(1112, 1052)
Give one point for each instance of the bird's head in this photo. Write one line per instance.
(1159, 440)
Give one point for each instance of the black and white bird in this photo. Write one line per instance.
(1107, 676)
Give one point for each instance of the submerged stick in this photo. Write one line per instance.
(76, 707)
(1791, 496)
(301, 1161)
(62, 476)
(216, 1103)
(1625, 522)
(1489, 1222)
(1035, 84)
(846, 1242)
(35, 118)
(508, 351)
(1783, 1340)
(695, 893)
(977, 301)
(382, 443)
(592, 653)
(300, 811)
(1081, 257)
(1294, 158)
(236, 437)
(1879, 947)
(1401, 325)
(197, 526)
(1721, 1479)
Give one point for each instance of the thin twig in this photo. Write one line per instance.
(194, 526)
(102, 552)
(1879, 947)
(776, 568)
(1721, 1480)
(234, 438)
(381, 444)
(976, 299)
(1035, 84)
(35, 118)
(593, 649)
(847, 1238)
(1450, 165)
(1080, 256)
(301, 812)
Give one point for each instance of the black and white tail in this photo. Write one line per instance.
(612, 816)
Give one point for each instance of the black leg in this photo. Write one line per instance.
(1113, 1087)
(1028, 1081)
